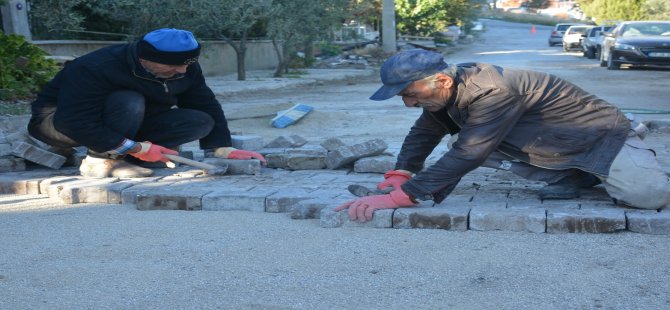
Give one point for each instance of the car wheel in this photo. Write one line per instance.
(611, 64)
(590, 53)
(551, 44)
(597, 52)
(565, 48)
(603, 61)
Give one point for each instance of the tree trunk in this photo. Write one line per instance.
(278, 71)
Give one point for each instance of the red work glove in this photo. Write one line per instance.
(395, 178)
(362, 208)
(233, 153)
(152, 152)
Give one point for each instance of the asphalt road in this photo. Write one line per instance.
(113, 256)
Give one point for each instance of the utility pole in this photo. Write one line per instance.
(388, 26)
(15, 18)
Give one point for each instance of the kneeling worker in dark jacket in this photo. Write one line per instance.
(140, 99)
(533, 124)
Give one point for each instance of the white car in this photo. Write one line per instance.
(573, 37)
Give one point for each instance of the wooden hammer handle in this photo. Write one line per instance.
(191, 162)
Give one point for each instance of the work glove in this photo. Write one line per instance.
(152, 152)
(394, 178)
(233, 153)
(362, 208)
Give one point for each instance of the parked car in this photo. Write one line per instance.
(636, 43)
(592, 41)
(556, 36)
(572, 38)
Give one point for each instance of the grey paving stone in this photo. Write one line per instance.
(331, 219)
(375, 164)
(585, 221)
(296, 161)
(244, 198)
(140, 187)
(236, 166)
(332, 144)
(287, 141)
(308, 150)
(107, 190)
(15, 185)
(247, 142)
(438, 217)
(649, 221)
(311, 208)
(346, 155)
(11, 163)
(283, 200)
(172, 198)
(47, 182)
(508, 219)
(37, 155)
(5, 149)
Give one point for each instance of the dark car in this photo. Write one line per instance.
(592, 41)
(637, 43)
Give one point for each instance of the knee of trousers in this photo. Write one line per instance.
(654, 197)
(129, 101)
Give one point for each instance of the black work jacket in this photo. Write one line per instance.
(79, 90)
(531, 116)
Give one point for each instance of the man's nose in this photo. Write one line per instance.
(181, 69)
(409, 102)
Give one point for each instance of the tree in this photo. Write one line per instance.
(56, 17)
(424, 17)
(614, 9)
(657, 9)
(298, 23)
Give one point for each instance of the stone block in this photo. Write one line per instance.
(282, 201)
(11, 163)
(438, 217)
(245, 198)
(236, 166)
(585, 221)
(37, 155)
(328, 218)
(649, 221)
(5, 149)
(107, 190)
(308, 150)
(508, 219)
(13, 185)
(311, 208)
(46, 183)
(141, 186)
(296, 161)
(247, 143)
(172, 198)
(332, 144)
(375, 164)
(287, 141)
(346, 155)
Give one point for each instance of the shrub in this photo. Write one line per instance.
(23, 67)
(328, 49)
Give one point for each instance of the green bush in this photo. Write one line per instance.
(328, 49)
(23, 67)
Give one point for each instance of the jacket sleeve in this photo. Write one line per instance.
(81, 101)
(489, 119)
(200, 97)
(422, 139)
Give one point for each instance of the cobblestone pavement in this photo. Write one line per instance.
(485, 199)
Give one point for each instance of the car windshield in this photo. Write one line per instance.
(562, 27)
(646, 29)
(580, 30)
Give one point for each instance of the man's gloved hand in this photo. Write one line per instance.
(362, 208)
(152, 152)
(233, 153)
(395, 178)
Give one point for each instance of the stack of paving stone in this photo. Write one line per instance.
(484, 200)
(18, 147)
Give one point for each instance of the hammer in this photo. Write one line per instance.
(208, 169)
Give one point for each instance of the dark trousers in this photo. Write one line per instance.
(124, 112)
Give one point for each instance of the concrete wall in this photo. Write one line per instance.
(216, 58)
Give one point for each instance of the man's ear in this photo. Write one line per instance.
(444, 80)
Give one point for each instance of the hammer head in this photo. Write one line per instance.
(219, 170)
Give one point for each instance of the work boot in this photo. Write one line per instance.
(103, 167)
(569, 187)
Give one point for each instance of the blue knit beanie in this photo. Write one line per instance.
(169, 46)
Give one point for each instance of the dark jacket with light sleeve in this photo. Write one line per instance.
(78, 94)
(531, 116)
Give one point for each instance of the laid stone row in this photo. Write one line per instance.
(489, 217)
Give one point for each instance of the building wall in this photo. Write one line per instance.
(216, 58)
